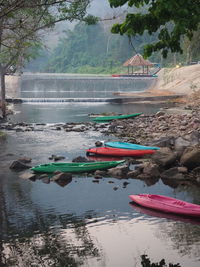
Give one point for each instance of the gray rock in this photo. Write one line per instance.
(164, 157)
(99, 174)
(191, 157)
(119, 172)
(181, 142)
(172, 173)
(18, 165)
(195, 137)
(62, 176)
(164, 142)
(133, 174)
(151, 169)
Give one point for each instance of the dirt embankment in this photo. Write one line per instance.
(184, 80)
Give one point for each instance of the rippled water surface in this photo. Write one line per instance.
(83, 223)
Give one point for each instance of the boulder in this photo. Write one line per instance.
(133, 174)
(164, 157)
(99, 174)
(151, 170)
(173, 173)
(119, 172)
(191, 158)
(18, 165)
(62, 176)
(164, 142)
(181, 143)
(195, 137)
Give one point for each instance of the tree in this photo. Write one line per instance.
(21, 23)
(171, 19)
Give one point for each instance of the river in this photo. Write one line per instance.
(83, 223)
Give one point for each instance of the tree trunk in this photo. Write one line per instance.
(3, 92)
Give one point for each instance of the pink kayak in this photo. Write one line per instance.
(167, 204)
(110, 151)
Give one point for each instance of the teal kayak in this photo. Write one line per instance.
(117, 117)
(76, 167)
(129, 146)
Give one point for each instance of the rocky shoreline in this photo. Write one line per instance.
(178, 136)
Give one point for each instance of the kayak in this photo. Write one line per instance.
(110, 151)
(129, 146)
(76, 167)
(117, 117)
(167, 204)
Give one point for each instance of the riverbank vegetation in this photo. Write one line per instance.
(94, 49)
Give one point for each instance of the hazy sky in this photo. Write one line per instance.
(99, 8)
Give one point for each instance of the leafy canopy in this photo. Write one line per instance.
(171, 19)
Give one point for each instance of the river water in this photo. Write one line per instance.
(83, 223)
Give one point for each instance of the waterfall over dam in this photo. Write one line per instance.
(77, 88)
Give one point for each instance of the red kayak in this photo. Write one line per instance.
(167, 204)
(110, 151)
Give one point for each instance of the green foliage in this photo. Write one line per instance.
(92, 49)
(184, 17)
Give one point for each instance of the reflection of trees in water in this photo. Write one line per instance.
(35, 238)
(66, 246)
(185, 237)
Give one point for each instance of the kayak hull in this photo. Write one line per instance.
(110, 151)
(76, 167)
(117, 117)
(124, 145)
(167, 204)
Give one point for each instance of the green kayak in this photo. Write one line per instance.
(117, 117)
(76, 167)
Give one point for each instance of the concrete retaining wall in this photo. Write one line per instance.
(13, 84)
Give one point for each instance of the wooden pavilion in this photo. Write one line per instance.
(138, 61)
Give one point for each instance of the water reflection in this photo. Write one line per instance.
(66, 245)
(170, 216)
(82, 223)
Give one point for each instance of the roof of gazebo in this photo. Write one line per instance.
(137, 60)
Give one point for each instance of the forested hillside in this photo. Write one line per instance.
(90, 49)
(94, 49)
